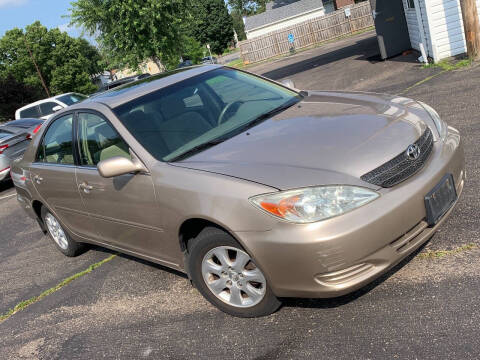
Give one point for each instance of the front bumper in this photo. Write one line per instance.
(340, 255)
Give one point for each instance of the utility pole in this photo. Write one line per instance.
(36, 66)
(211, 57)
(472, 28)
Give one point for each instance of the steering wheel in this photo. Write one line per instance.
(226, 108)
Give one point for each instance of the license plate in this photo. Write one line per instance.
(440, 199)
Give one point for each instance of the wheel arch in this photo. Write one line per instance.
(191, 227)
(37, 209)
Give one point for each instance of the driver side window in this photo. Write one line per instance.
(57, 145)
(98, 140)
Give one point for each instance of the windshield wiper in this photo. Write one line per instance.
(267, 115)
(256, 121)
(197, 149)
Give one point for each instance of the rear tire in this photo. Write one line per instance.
(59, 235)
(227, 276)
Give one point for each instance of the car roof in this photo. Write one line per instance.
(125, 93)
(38, 102)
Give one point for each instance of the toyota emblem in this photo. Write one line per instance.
(413, 152)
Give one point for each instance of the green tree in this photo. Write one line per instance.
(14, 95)
(248, 7)
(66, 63)
(190, 49)
(212, 24)
(238, 24)
(133, 30)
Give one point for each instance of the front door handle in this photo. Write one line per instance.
(38, 179)
(85, 187)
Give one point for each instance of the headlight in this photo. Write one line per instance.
(314, 204)
(439, 123)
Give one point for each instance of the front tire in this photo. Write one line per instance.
(227, 276)
(59, 235)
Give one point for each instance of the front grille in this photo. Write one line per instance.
(401, 167)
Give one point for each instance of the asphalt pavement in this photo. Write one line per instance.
(425, 308)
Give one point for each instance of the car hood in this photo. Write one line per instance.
(327, 138)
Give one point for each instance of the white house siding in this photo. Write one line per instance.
(285, 23)
(443, 19)
(426, 28)
(413, 28)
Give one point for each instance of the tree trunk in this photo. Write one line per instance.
(157, 61)
(472, 28)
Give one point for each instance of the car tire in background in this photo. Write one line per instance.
(227, 277)
(59, 235)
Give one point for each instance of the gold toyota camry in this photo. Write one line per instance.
(256, 190)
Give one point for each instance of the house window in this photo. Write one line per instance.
(410, 4)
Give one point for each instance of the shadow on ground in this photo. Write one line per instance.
(365, 50)
(295, 302)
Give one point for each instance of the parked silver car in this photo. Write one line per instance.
(15, 137)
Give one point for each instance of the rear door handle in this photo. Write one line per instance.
(38, 179)
(85, 187)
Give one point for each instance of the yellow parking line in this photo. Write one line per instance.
(8, 196)
(26, 303)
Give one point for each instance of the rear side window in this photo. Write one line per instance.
(57, 145)
(31, 112)
(47, 108)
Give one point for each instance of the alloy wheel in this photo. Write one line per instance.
(56, 231)
(232, 276)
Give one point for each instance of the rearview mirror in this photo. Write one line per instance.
(288, 83)
(118, 165)
(57, 108)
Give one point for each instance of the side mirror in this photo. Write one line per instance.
(118, 165)
(57, 108)
(288, 83)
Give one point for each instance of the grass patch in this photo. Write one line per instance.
(445, 65)
(449, 65)
(238, 63)
(430, 254)
(24, 304)
(229, 51)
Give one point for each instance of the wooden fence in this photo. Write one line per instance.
(333, 25)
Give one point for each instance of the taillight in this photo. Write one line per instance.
(3, 148)
(29, 136)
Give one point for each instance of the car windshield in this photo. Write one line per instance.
(71, 99)
(185, 118)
